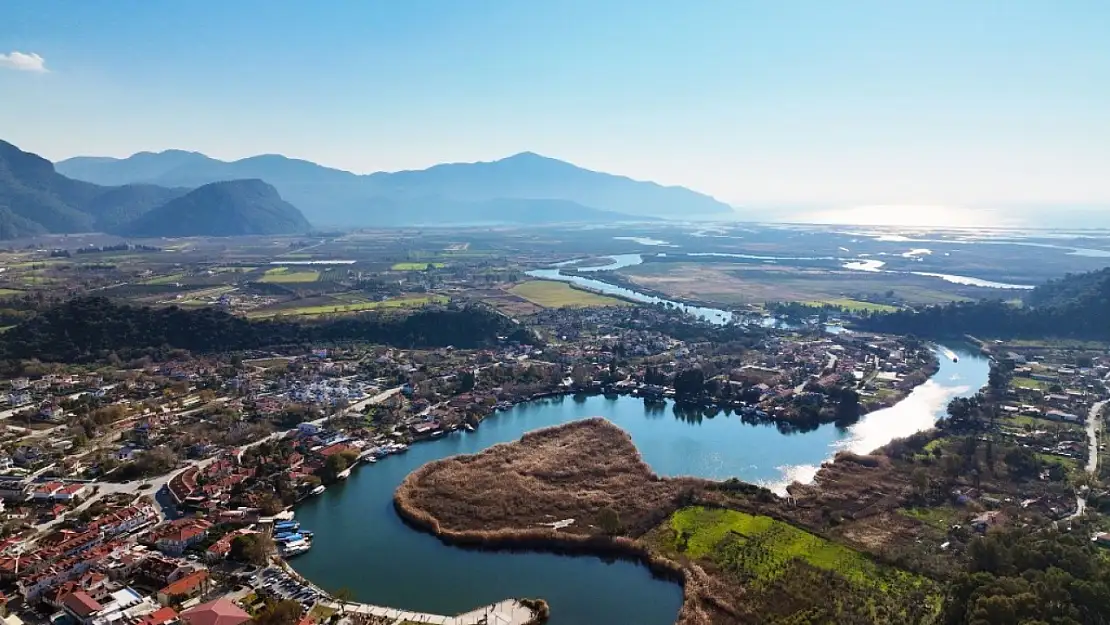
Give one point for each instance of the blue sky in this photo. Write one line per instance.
(838, 103)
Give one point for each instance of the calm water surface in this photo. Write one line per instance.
(361, 544)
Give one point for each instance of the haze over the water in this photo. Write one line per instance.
(841, 105)
(909, 215)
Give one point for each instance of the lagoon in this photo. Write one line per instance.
(362, 544)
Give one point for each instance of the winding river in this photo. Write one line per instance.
(712, 315)
(361, 544)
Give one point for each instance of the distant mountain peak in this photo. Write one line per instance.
(225, 208)
(527, 156)
(170, 152)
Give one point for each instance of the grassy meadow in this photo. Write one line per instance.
(340, 308)
(284, 275)
(551, 294)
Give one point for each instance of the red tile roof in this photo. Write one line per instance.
(218, 612)
(159, 617)
(81, 604)
(182, 530)
(186, 584)
(337, 448)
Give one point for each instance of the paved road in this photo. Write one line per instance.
(376, 399)
(1094, 427)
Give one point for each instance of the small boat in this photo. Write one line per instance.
(318, 490)
(289, 550)
(400, 448)
(468, 427)
(344, 474)
(370, 459)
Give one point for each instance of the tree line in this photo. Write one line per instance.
(1075, 306)
(88, 329)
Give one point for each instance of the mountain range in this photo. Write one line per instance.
(178, 193)
(525, 188)
(35, 199)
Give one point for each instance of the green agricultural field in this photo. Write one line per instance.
(417, 266)
(551, 294)
(941, 517)
(854, 305)
(283, 275)
(1068, 464)
(772, 557)
(170, 279)
(10, 292)
(341, 308)
(1030, 383)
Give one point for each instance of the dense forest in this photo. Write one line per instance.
(1075, 306)
(91, 328)
(1022, 577)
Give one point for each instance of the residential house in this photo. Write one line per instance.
(218, 612)
(192, 585)
(47, 490)
(81, 607)
(175, 537)
(161, 616)
(71, 492)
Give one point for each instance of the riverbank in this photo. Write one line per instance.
(506, 612)
(582, 488)
(579, 488)
(614, 279)
(588, 590)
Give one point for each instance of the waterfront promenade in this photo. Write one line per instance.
(507, 612)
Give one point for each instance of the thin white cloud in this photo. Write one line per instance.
(22, 62)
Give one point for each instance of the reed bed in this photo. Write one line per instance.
(502, 497)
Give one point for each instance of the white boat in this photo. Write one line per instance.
(344, 474)
(318, 490)
(289, 550)
(468, 427)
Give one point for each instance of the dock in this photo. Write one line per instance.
(507, 612)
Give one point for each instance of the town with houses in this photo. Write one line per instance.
(165, 493)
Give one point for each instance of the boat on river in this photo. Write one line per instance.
(295, 548)
(318, 490)
(344, 474)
